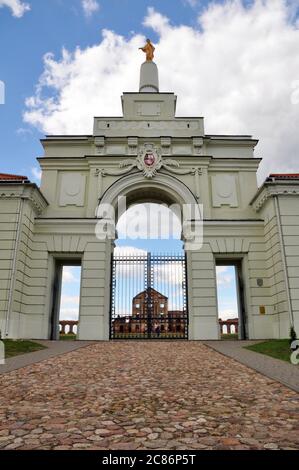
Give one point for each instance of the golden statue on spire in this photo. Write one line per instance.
(149, 50)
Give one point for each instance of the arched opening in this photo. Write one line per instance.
(149, 279)
(149, 226)
(149, 282)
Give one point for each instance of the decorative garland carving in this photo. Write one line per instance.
(149, 161)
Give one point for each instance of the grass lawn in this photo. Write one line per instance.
(278, 348)
(67, 337)
(232, 336)
(15, 348)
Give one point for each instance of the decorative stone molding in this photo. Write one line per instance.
(29, 193)
(166, 145)
(118, 125)
(234, 245)
(149, 161)
(37, 202)
(99, 143)
(224, 190)
(148, 108)
(175, 190)
(72, 189)
(273, 189)
(197, 145)
(132, 145)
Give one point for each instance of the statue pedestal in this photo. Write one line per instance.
(149, 78)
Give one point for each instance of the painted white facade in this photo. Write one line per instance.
(259, 227)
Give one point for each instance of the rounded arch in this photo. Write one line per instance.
(162, 189)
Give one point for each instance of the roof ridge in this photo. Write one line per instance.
(10, 176)
(284, 175)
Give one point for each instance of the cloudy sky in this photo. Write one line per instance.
(235, 62)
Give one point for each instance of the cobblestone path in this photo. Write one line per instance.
(145, 395)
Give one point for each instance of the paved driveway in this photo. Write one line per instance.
(145, 395)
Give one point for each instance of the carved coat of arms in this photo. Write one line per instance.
(149, 161)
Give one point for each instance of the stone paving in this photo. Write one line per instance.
(53, 348)
(276, 369)
(145, 395)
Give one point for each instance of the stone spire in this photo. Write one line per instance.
(149, 78)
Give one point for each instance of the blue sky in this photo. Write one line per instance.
(47, 27)
(235, 62)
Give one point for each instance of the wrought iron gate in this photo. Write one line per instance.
(148, 297)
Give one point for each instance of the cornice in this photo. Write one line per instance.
(238, 140)
(232, 222)
(58, 225)
(80, 163)
(234, 164)
(271, 189)
(66, 221)
(30, 193)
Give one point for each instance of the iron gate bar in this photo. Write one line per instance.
(148, 297)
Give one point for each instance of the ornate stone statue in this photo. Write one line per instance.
(149, 50)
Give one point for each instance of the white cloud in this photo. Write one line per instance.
(70, 297)
(224, 277)
(70, 274)
(149, 221)
(237, 68)
(18, 8)
(69, 300)
(129, 250)
(169, 274)
(226, 314)
(222, 269)
(191, 3)
(225, 280)
(69, 307)
(90, 7)
(36, 173)
(22, 131)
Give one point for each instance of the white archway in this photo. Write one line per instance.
(170, 188)
(161, 189)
